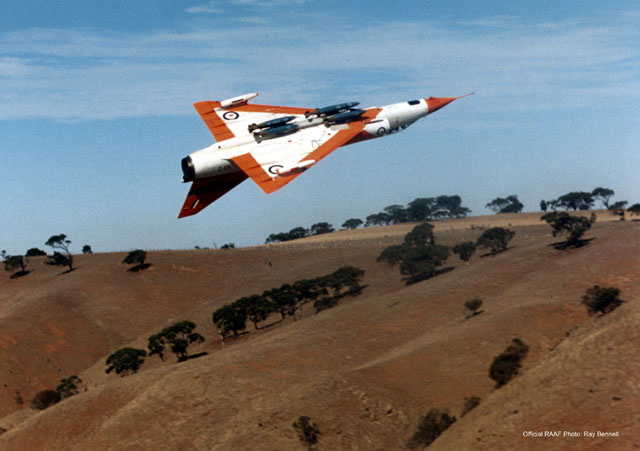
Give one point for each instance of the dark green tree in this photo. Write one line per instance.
(420, 235)
(63, 258)
(310, 289)
(257, 307)
(635, 209)
(86, 249)
(298, 232)
(416, 263)
(229, 318)
(574, 226)
(510, 204)
(601, 299)
(449, 207)
(506, 365)
(125, 361)
(397, 214)
(465, 250)
(430, 427)
(496, 239)
(16, 264)
(576, 200)
(307, 431)
(321, 227)
(345, 276)
(604, 195)
(178, 336)
(352, 223)
(284, 299)
(377, 219)
(421, 209)
(543, 205)
(136, 257)
(35, 252)
(69, 386)
(45, 399)
(472, 306)
(618, 208)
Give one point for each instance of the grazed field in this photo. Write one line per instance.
(364, 371)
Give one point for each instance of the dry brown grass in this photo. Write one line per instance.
(364, 371)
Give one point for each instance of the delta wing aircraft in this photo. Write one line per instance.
(275, 144)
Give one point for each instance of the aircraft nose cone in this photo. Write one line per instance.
(435, 103)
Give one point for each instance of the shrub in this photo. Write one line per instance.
(601, 299)
(68, 387)
(506, 365)
(470, 404)
(430, 427)
(472, 305)
(45, 399)
(136, 257)
(307, 431)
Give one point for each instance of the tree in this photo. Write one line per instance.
(449, 207)
(178, 337)
(495, 238)
(377, 219)
(297, 232)
(421, 262)
(397, 214)
(68, 387)
(575, 226)
(348, 276)
(543, 205)
(576, 200)
(45, 399)
(421, 209)
(420, 235)
(603, 195)
(229, 318)
(430, 427)
(285, 299)
(506, 365)
(16, 264)
(307, 431)
(472, 305)
(618, 208)
(510, 204)
(465, 250)
(138, 256)
(63, 258)
(321, 227)
(635, 209)
(352, 223)
(309, 290)
(125, 361)
(601, 299)
(257, 307)
(86, 249)
(35, 252)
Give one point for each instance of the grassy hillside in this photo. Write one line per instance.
(364, 371)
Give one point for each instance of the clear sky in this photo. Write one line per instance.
(96, 109)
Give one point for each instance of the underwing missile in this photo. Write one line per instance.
(343, 117)
(331, 109)
(275, 132)
(296, 168)
(272, 123)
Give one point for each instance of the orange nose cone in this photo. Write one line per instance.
(435, 103)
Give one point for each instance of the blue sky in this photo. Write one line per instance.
(96, 109)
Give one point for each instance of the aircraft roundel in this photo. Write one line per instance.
(230, 115)
(274, 169)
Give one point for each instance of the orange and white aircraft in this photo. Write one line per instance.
(275, 144)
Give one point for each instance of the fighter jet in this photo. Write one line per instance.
(274, 144)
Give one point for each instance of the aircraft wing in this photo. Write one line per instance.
(227, 123)
(274, 163)
(205, 191)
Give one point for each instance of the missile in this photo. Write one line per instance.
(332, 109)
(237, 101)
(298, 167)
(272, 123)
(275, 132)
(347, 116)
